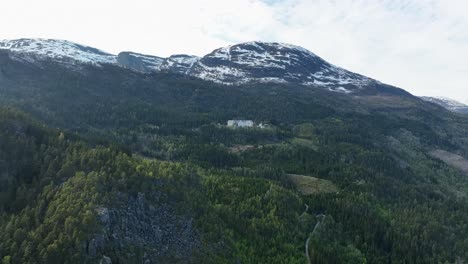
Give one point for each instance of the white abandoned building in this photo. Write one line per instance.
(240, 123)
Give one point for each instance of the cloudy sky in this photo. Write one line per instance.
(419, 45)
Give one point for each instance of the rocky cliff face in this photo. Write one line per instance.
(139, 62)
(179, 64)
(155, 233)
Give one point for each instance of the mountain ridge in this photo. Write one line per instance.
(255, 61)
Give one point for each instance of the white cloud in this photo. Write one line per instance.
(419, 45)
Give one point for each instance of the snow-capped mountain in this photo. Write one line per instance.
(274, 62)
(237, 64)
(447, 103)
(57, 50)
(257, 62)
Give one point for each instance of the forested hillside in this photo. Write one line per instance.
(102, 163)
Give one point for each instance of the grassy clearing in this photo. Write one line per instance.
(308, 185)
